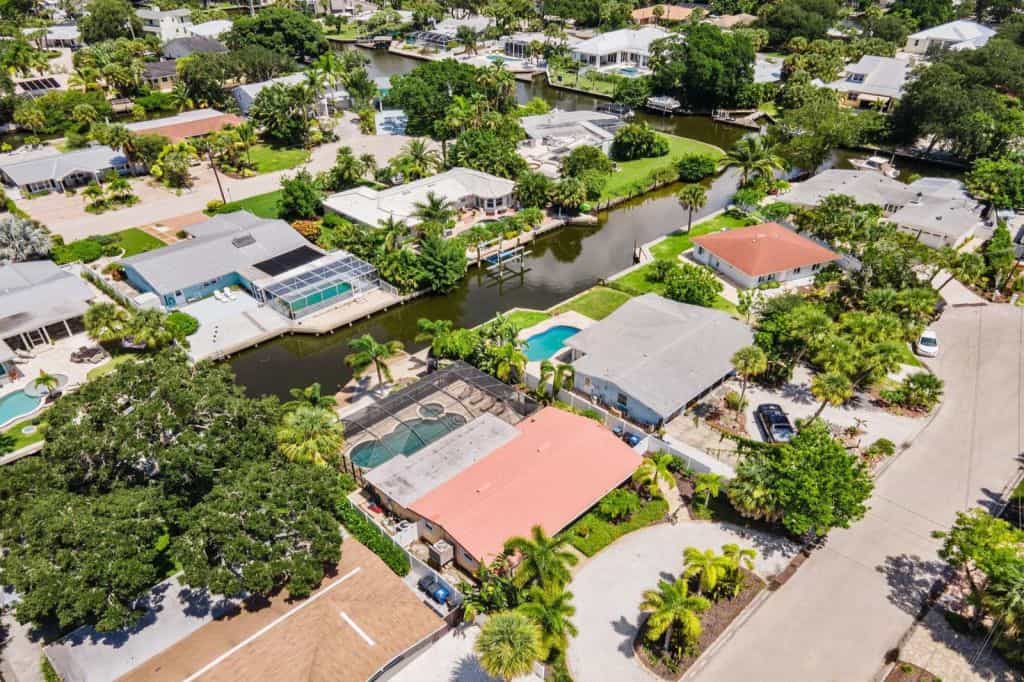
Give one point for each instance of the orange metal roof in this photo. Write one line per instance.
(763, 249)
(559, 466)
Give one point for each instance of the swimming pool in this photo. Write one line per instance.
(407, 438)
(629, 71)
(16, 405)
(545, 344)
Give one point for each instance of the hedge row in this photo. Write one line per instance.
(374, 538)
(593, 532)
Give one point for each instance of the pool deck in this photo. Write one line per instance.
(52, 359)
(570, 318)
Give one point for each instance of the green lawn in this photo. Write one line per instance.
(597, 304)
(622, 181)
(134, 241)
(267, 159)
(676, 243)
(350, 31)
(12, 439)
(109, 366)
(524, 319)
(263, 205)
(585, 81)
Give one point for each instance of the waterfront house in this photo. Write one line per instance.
(754, 255)
(165, 24)
(518, 45)
(552, 136)
(332, 98)
(475, 194)
(624, 48)
(872, 81)
(266, 258)
(652, 357)
(8, 371)
(955, 35)
(49, 170)
(40, 302)
(937, 211)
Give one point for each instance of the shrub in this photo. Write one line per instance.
(694, 167)
(661, 269)
(366, 532)
(84, 250)
(694, 284)
(922, 391)
(592, 533)
(880, 449)
(638, 141)
(214, 205)
(777, 210)
(662, 176)
(619, 505)
(732, 401)
(748, 196)
(310, 229)
(182, 324)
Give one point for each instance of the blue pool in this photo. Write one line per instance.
(407, 438)
(629, 71)
(17, 404)
(542, 346)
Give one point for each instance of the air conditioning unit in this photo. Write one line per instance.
(441, 554)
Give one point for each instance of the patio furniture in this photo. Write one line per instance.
(219, 295)
(230, 294)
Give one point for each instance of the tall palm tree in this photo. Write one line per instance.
(434, 209)
(754, 157)
(693, 198)
(508, 645)
(417, 160)
(467, 37)
(561, 376)
(311, 396)
(831, 388)
(437, 332)
(106, 322)
(654, 470)
(367, 351)
(149, 329)
(544, 560)
(394, 232)
(672, 605)
(708, 483)
(708, 566)
(46, 381)
(749, 361)
(310, 434)
(551, 611)
(507, 362)
(247, 136)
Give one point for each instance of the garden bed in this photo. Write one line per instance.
(714, 622)
(908, 672)
(593, 532)
(722, 510)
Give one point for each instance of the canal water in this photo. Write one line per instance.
(560, 264)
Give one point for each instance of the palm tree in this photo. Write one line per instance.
(671, 605)
(692, 198)
(754, 157)
(708, 566)
(247, 136)
(754, 495)
(507, 362)
(544, 560)
(831, 388)
(437, 332)
(310, 434)
(148, 328)
(467, 37)
(106, 322)
(394, 232)
(309, 396)
(739, 557)
(434, 209)
(749, 361)
(708, 483)
(508, 645)
(46, 381)
(417, 160)
(368, 351)
(653, 471)
(551, 611)
(561, 376)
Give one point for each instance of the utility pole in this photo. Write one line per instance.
(216, 175)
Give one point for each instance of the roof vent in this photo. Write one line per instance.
(243, 240)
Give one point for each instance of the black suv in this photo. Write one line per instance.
(775, 423)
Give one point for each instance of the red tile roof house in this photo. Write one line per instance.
(557, 467)
(750, 256)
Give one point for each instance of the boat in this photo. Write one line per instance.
(879, 164)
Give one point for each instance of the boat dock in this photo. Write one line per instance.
(754, 119)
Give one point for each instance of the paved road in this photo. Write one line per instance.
(851, 602)
(609, 588)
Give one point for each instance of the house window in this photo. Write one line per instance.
(427, 525)
(814, 268)
(622, 399)
(700, 250)
(796, 271)
(466, 555)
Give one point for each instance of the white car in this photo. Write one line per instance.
(927, 345)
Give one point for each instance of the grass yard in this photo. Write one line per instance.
(12, 439)
(674, 244)
(524, 319)
(597, 304)
(109, 366)
(264, 205)
(588, 81)
(267, 159)
(623, 181)
(134, 241)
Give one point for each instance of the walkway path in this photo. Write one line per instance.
(65, 215)
(850, 603)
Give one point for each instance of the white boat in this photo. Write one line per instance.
(876, 163)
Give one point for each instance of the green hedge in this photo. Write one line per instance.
(601, 532)
(182, 324)
(374, 538)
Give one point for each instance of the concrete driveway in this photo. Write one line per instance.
(609, 588)
(851, 602)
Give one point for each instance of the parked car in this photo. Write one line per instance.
(775, 423)
(927, 344)
(435, 588)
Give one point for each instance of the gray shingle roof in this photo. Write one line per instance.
(213, 253)
(38, 293)
(882, 76)
(183, 47)
(58, 166)
(660, 352)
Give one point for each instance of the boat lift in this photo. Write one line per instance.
(507, 264)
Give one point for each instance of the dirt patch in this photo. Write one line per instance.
(908, 672)
(714, 622)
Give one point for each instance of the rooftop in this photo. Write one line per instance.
(211, 29)
(867, 187)
(54, 165)
(624, 40)
(764, 249)
(955, 31)
(882, 76)
(661, 352)
(669, 13)
(184, 47)
(371, 207)
(37, 293)
(558, 466)
(185, 125)
(558, 123)
(155, 12)
(727, 21)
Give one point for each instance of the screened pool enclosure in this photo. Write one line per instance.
(326, 281)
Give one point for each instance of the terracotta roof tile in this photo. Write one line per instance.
(763, 249)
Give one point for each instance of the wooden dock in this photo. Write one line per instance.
(753, 119)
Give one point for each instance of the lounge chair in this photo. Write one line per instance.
(487, 404)
(219, 295)
(499, 409)
(477, 397)
(230, 294)
(467, 391)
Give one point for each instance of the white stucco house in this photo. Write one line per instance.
(626, 47)
(956, 35)
(165, 24)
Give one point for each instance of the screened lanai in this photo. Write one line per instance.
(324, 282)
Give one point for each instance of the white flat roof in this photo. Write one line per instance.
(624, 40)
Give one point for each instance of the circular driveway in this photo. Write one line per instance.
(608, 589)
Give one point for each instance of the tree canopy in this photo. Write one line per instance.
(710, 68)
(280, 30)
(109, 19)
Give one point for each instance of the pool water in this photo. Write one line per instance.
(542, 346)
(630, 71)
(406, 439)
(17, 404)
